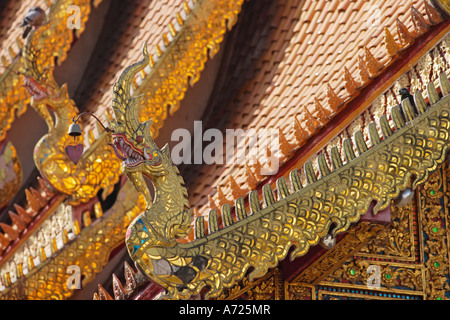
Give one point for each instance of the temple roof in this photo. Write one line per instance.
(289, 65)
(120, 44)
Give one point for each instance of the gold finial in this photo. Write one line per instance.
(363, 73)
(32, 201)
(444, 84)
(433, 16)
(323, 165)
(54, 246)
(213, 221)
(17, 221)
(103, 294)
(251, 180)
(404, 35)
(312, 122)
(65, 236)
(310, 173)
(320, 112)
(350, 83)
(130, 276)
(253, 199)
(334, 101)
(236, 191)
(285, 147)
(300, 134)
(336, 160)
(118, 289)
(10, 232)
(420, 24)
(391, 46)
(23, 214)
(221, 197)
(4, 242)
(372, 64)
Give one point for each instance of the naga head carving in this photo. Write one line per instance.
(132, 140)
(37, 71)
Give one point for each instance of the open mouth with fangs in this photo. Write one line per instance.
(125, 152)
(34, 89)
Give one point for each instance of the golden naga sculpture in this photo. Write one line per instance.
(259, 237)
(97, 168)
(10, 172)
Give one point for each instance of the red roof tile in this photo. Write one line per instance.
(306, 49)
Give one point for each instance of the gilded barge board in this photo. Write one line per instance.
(49, 279)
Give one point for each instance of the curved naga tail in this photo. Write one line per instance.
(259, 236)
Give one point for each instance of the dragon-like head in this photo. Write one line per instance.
(37, 71)
(132, 140)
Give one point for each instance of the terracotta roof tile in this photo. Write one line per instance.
(312, 43)
(131, 23)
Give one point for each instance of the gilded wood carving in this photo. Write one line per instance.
(219, 257)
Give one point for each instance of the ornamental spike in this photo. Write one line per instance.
(10, 232)
(221, 197)
(32, 201)
(212, 204)
(350, 83)
(236, 191)
(404, 35)
(285, 147)
(130, 276)
(433, 16)
(251, 180)
(300, 134)
(363, 73)
(392, 47)
(334, 101)
(119, 291)
(372, 64)
(320, 112)
(17, 221)
(420, 24)
(23, 213)
(103, 294)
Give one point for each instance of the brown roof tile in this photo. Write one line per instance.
(304, 54)
(120, 44)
